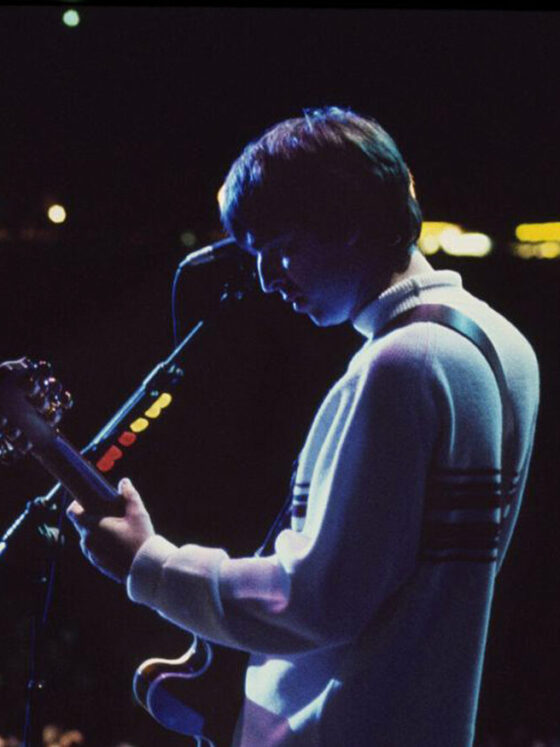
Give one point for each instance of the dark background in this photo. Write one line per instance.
(131, 120)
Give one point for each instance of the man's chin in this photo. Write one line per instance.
(323, 318)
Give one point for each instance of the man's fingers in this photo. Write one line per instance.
(126, 488)
(79, 517)
(129, 493)
(111, 542)
(83, 519)
(74, 511)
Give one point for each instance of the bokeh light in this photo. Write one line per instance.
(188, 239)
(453, 239)
(71, 18)
(56, 213)
(538, 231)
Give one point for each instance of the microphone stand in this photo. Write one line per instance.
(39, 512)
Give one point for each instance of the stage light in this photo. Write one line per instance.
(453, 240)
(56, 214)
(449, 239)
(550, 249)
(537, 249)
(430, 236)
(538, 231)
(71, 18)
(430, 245)
(469, 245)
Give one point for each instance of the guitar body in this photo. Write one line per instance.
(31, 405)
(170, 691)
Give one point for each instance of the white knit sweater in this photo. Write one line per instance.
(367, 626)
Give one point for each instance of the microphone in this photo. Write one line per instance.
(218, 250)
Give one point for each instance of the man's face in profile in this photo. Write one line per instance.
(320, 278)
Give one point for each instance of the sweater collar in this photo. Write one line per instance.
(401, 297)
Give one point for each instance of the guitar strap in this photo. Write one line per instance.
(468, 328)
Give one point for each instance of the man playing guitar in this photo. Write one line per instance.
(367, 622)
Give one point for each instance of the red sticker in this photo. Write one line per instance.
(127, 438)
(108, 459)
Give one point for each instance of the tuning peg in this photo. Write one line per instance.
(40, 370)
(8, 454)
(66, 401)
(32, 381)
(53, 386)
(44, 384)
(44, 367)
(51, 389)
(31, 365)
(5, 457)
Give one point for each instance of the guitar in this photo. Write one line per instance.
(32, 403)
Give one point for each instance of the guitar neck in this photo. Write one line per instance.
(78, 476)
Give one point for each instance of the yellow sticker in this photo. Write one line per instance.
(161, 402)
(139, 425)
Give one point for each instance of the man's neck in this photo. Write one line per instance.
(418, 265)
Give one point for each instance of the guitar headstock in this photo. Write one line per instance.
(32, 402)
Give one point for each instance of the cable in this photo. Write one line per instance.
(174, 306)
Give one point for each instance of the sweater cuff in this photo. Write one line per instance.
(146, 569)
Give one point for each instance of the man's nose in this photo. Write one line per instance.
(270, 271)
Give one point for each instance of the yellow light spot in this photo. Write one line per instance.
(550, 249)
(537, 249)
(155, 410)
(430, 236)
(139, 425)
(221, 195)
(430, 244)
(449, 239)
(435, 227)
(56, 214)
(453, 239)
(524, 251)
(469, 245)
(538, 231)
